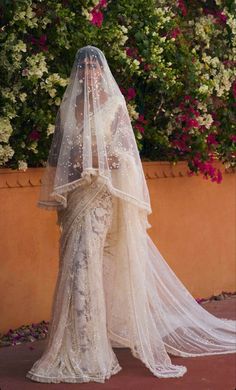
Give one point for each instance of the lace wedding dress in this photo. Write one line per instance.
(108, 262)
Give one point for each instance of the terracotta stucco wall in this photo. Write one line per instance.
(193, 225)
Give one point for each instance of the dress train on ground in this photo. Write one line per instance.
(114, 289)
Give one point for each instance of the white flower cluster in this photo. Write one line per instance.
(8, 94)
(205, 120)
(205, 29)
(86, 13)
(28, 16)
(123, 37)
(131, 107)
(22, 165)
(44, 22)
(37, 66)
(33, 146)
(17, 50)
(231, 22)
(23, 97)
(5, 129)
(20, 46)
(222, 77)
(6, 152)
(51, 82)
(50, 129)
(164, 15)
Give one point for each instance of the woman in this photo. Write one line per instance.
(114, 289)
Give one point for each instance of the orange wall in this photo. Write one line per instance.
(193, 225)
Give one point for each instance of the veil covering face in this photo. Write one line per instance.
(93, 137)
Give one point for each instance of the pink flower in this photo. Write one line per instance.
(131, 93)
(208, 170)
(139, 122)
(141, 119)
(183, 117)
(97, 17)
(233, 138)
(182, 6)
(175, 32)
(181, 143)
(193, 111)
(103, 3)
(229, 63)
(147, 67)
(34, 135)
(129, 51)
(42, 40)
(139, 127)
(221, 17)
(187, 97)
(211, 139)
(191, 122)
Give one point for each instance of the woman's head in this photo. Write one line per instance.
(90, 63)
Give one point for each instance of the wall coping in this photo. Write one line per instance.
(15, 178)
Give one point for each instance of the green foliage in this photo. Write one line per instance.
(174, 63)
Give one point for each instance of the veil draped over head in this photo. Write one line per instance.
(93, 137)
(148, 309)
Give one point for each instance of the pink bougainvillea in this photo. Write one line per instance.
(97, 15)
(40, 43)
(182, 7)
(174, 33)
(219, 16)
(131, 93)
(139, 123)
(133, 53)
(211, 139)
(186, 120)
(233, 138)
(34, 135)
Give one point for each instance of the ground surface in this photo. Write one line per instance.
(204, 373)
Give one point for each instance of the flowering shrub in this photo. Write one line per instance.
(174, 62)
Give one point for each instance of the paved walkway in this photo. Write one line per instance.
(204, 373)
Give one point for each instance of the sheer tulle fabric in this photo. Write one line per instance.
(93, 132)
(108, 262)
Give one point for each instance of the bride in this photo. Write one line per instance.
(114, 288)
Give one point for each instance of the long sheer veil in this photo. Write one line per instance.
(148, 309)
(93, 136)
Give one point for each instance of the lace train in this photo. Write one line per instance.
(114, 289)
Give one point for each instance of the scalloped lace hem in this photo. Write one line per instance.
(75, 379)
(164, 371)
(86, 178)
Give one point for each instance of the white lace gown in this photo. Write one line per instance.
(114, 289)
(79, 349)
